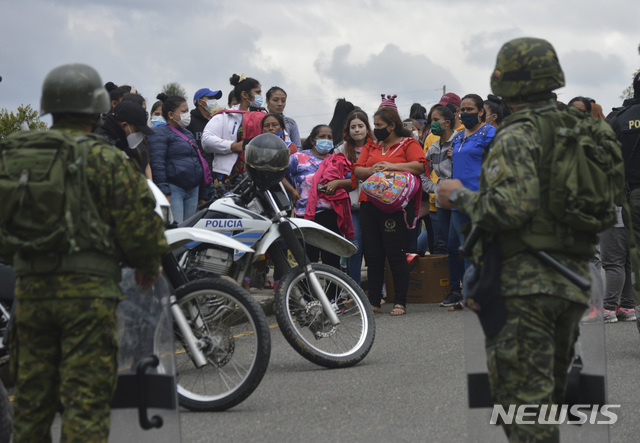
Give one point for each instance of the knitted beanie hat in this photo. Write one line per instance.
(389, 101)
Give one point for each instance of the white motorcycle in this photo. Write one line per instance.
(223, 343)
(324, 315)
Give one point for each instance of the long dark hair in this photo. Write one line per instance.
(340, 113)
(349, 146)
(390, 116)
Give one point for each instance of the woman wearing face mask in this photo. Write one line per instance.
(175, 163)
(155, 117)
(274, 124)
(385, 236)
(442, 122)
(223, 135)
(467, 151)
(302, 168)
(276, 102)
(495, 110)
(357, 132)
(124, 128)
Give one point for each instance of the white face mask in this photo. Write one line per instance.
(212, 106)
(134, 139)
(184, 121)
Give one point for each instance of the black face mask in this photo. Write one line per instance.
(382, 134)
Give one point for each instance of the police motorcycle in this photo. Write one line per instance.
(323, 314)
(223, 343)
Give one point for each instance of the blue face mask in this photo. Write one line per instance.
(257, 102)
(324, 146)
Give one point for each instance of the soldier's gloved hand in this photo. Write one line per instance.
(145, 282)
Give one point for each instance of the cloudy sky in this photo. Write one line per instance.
(317, 51)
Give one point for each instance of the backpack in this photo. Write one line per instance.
(586, 175)
(45, 204)
(391, 191)
(251, 122)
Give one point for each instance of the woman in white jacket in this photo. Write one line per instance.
(223, 134)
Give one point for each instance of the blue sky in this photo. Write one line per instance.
(316, 51)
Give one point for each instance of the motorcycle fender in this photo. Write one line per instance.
(181, 236)
(314, 234)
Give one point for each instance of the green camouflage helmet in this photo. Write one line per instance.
(526, 68)
(74, 88)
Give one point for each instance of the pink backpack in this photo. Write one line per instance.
(391, 191)
(251, 122)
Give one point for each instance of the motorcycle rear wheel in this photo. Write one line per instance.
(308, 330)
(237, 345)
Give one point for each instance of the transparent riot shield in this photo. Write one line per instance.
(145, 404)
(586, 385)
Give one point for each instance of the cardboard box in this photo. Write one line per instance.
(428, 280)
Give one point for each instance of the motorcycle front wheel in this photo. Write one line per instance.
(234, 336)
(308, 330)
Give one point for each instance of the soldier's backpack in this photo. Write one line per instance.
(586, 170)
(45, 205)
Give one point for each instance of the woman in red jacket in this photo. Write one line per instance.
(385, 236)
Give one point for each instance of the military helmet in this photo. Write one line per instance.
(526, 69)
(74, 88)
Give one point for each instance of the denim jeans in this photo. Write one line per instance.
(354, 263)
(183, 202)
(456, 239)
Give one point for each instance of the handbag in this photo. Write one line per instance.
(207, 178)
(391, 191)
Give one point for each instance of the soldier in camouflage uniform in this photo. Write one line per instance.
(64, 347)
(529, 357)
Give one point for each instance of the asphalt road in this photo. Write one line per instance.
(410, 388)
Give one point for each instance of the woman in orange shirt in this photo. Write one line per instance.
(385, 236)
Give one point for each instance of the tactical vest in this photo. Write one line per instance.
(48, 220)
(546, 230)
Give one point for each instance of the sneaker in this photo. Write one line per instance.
(626, 314)
(609, 316)
(452, 299)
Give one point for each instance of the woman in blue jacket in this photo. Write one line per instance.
(175, 163)
(467, 150)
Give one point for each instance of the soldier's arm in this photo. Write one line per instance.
(511, 191)
(126, 202)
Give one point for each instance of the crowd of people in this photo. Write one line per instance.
(447, 141)
(475, 164)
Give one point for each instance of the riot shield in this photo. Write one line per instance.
(586, 385)
(145, 404)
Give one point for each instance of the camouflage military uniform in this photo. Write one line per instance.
(528, 359)
(65, 345)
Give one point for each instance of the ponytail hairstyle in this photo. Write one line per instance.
(241, 84)
(169, 104)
